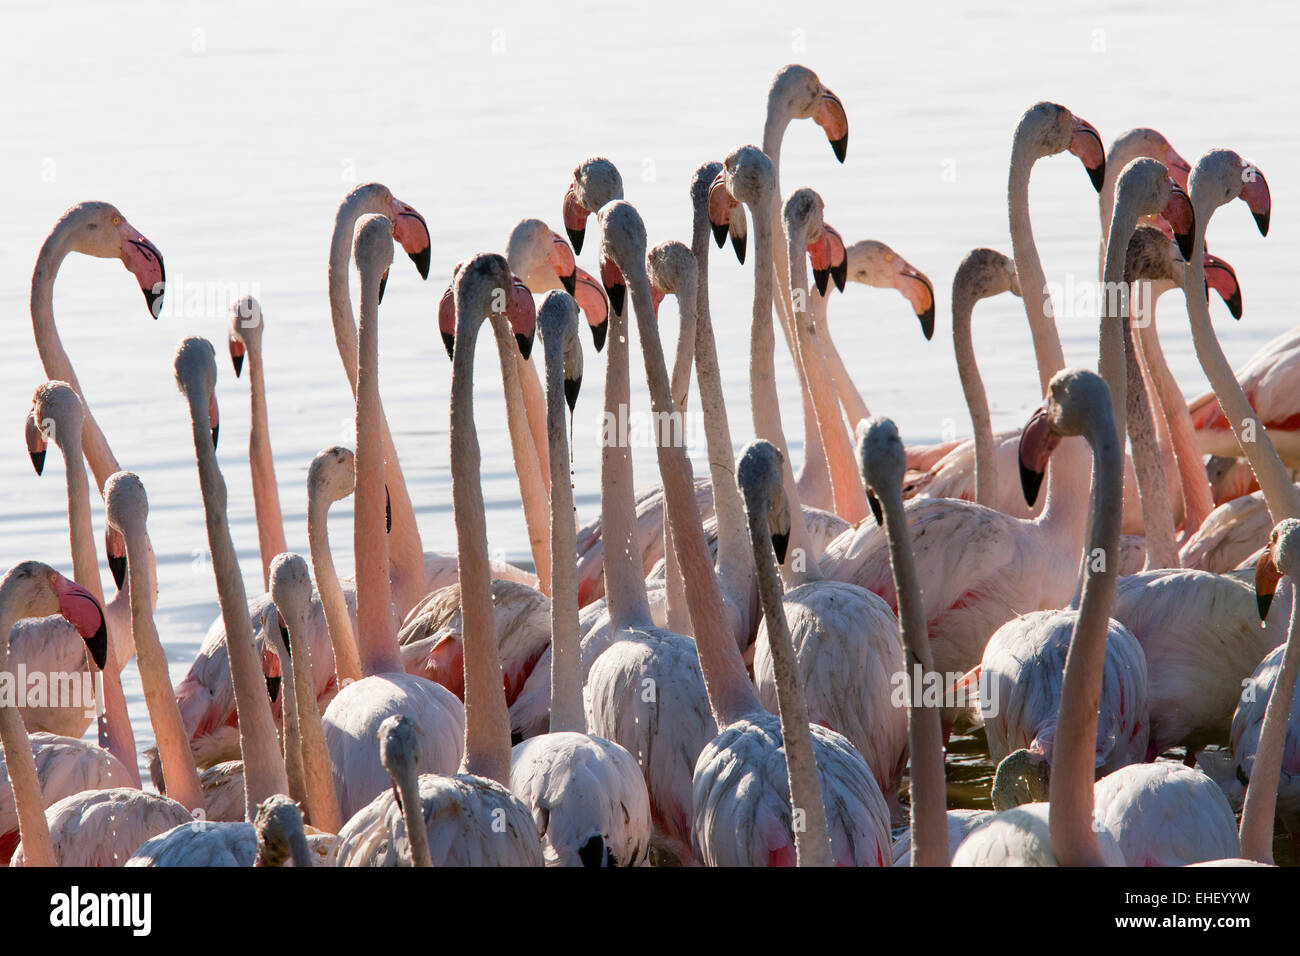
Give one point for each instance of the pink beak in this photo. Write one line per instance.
(80, 609)
(410, 229)
(1086, 144)
(595, 306)
(143, 260)
(1255, 192)
(563, 263)
(35, 443)
(831, 117)
(575, 219)
(1037, 441)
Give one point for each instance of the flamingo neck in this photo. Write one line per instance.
(532, 490)
(678, 617)
(487, 721)
(266, 495)
(566, 667)
(376, 626)
(33, 829)
(846, 485)
(417, 832)
(731, 695)
(735, 563)
(1033, 282)
(850, 397)
(264, 773)
(972, 385)
(338, 622)
(1261, 794)
(924, 733)
(1074, 841)
(1280, 495)
(624, 581)
(318, 783)
(164, 714)
(803, 556)
(812, 842)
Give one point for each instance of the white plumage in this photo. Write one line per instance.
(1166, 814)
(960, 823)
(104, 827)
(1020, 837)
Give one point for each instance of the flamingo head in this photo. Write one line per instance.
(79, 607)
(875, 264)
(1282, 556)
(1222, 278)
(1037, 441)
(611, 277)
(1222, 176)
(759, 477)
(1085, 143)
(115, 549)
(36, 442)
(798, 93)
(828, 258)
(557, 321)
(596, 182)
(883, 461)
(412, 232)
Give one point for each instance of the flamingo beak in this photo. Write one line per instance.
(571, 388)
(914, 286)
(720, 205)
(595, 306)
(563, 263)
(237, 351)
(656, 298)
(143, 260)
(80, 609)
(1086, 144)
(1037, 441)
(383, 284)
(575, 220)
(739, 230)
(388, 511)
(115, 549)
(214, 419)
(447, 321)
(780, 544)
(831, 117)
(35, 443)
(1181, 217)
(876, 511)
(615, 287)
(819, 254)
(1266, 578)
(1221, 277)
(839, 260)
(521, 312)
(1179, 168)
(410, 229)
(1255, 192)
(271, 669)
(284, 633)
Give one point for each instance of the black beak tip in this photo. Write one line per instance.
(118, 567)
(1185, 242)
(38, 461)
(575, 237)
(841, 147)
(155, 299)
(383, 284)
(284, 636)
(1235, 304)
(1098, 175)
(598, 333)
(98, 645)
(738, 243)
(273, 688)
(1263, 602)
(388, 511)
(840, 274)
(1030, 482)
(780, 543)
(449, 342)
(875, 508)
(821, 279)
(616, 294)
(421, 260)
(1261, 220)
(525, 343)
(719, 233)
(927, 322)
(215, 430)
(570, 282)
(238, 362)
(571, 388)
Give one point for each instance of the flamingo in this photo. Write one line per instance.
(354, 715)
(275, 838)
(330, 478)
(586, 794)
(1060, 832)
(51, 646)
(470, 816)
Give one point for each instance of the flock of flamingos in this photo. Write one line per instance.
(760, 666)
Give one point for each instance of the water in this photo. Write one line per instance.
(228, 136)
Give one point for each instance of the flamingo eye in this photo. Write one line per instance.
(117, 220)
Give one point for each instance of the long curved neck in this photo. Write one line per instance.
(532, 490)
(487, 722)
(266, 496)
(924, 733)
(850, 499)
(678, 618)
(731, 695)
(115, 724)
(376, 627)
(33, 830)
(1197, 499)
(291, 732)
(1148, 463)
(534, 402)
(406, 551)
(264, 773)
(1033, 282)
(972, 385)
(624, 581)
(164, 715)
(566, 667)
(735, 559)
(318, 783)
(57, 365)
(338, 622)
(417, 831)
(802, 564)
(1114, 311)
(1261, 794)
(812, 842)
(1074, 841)
(1274, 480)
(850, 397)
